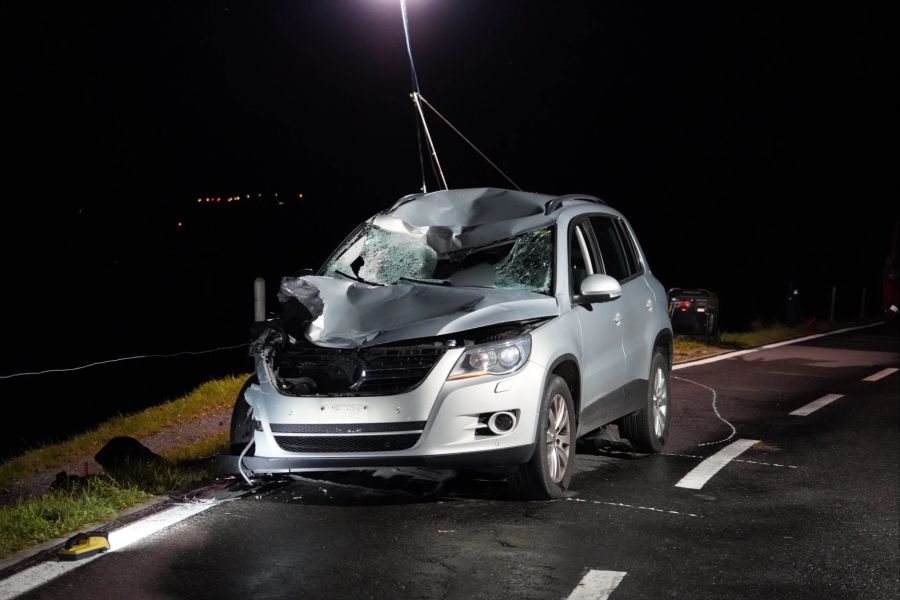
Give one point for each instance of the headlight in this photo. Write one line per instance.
(498, 358)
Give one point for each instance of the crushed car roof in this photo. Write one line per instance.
(350, 314)
(454, 219)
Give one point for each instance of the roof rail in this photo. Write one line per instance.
(556, 203)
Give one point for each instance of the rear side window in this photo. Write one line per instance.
(612, 250)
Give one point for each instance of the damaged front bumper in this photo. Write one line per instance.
(260, 465)
(437, 424)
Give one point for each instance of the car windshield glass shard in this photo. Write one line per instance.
(383, 257)
(387, 257)
(527, 266)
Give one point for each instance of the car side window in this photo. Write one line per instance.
(634, 264)
(615, 259)
(580, 263)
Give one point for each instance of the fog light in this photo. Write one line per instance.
(502, 422)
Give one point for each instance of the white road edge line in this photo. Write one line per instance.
(881, 374)
(816, 405)
(717, 358)
(41, 573)
(699, 475)
(597, 585)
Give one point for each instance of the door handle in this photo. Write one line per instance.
(617, 319)
(649, 305)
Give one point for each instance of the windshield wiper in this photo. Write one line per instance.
(359, 279)
(442, 282)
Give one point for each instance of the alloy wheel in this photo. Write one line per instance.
(558, 438)
(660, 403)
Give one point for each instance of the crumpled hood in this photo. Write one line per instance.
(347, 314)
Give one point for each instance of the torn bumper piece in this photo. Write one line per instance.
(468, 460)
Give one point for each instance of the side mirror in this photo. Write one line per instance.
(598, 288)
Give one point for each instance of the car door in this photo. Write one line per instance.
(619, 260)
(602, 355)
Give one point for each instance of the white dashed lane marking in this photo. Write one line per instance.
(740, 460)
(650, 508)
(816, 405)
(703, 472)
(597, 585)
(881, 374)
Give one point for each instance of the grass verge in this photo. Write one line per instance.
(58, 512)
(82, 501)
(766, 335)
(208, 397)
(688, 348)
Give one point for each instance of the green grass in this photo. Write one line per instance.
(688, 348)
(30, 521)
(766, 335)
(59, 512)
(206, 398)
(209, 446)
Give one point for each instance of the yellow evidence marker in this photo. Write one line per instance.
(84, 545)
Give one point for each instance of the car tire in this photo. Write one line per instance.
(648, 428)
(242, 426)
(549, 471)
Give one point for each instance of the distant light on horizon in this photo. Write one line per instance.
(263, 197)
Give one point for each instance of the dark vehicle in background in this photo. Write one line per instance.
(694, 312)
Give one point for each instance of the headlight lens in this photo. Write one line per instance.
(498, 358)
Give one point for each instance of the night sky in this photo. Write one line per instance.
(751, 147)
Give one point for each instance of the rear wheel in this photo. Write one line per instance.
(548, 474)
(242, 426)
(648, 428)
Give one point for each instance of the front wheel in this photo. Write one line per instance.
(548, 474)
(648, 428)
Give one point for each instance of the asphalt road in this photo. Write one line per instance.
(811, 511)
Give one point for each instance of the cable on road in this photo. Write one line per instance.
(115, 360)
(240, 463)
(715, 410)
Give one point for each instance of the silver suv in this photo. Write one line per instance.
(462, 329)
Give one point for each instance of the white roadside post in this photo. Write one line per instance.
(259, 299)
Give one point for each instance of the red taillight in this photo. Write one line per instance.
(685, 304)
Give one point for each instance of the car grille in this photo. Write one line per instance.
(381, 370)
(347, 427)
(348, 443)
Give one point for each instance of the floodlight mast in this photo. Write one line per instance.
(415, 95)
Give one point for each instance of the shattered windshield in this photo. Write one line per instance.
(383, 257)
